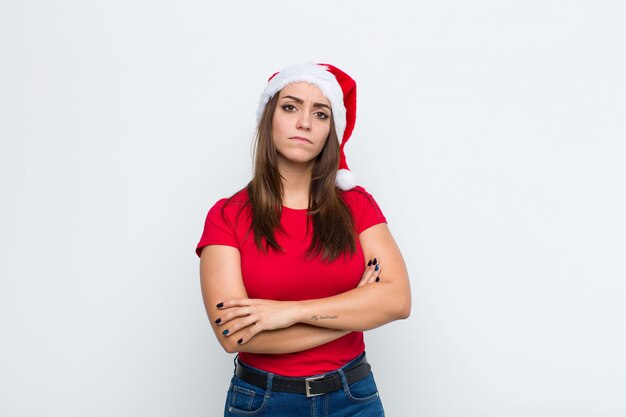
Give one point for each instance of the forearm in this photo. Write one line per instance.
(367, 306)
(359, 309)
(362, 308)
(292, 339)
(220, 275)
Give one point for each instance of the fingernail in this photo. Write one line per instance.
(369, 263)
(375, 261)
(377, 279)
(219, 305)
(218, 321)
(240, 341)
(225, 332)
(376, 269)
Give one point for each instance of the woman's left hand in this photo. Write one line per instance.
(255, 316)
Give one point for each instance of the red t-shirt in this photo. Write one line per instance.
(288, 276)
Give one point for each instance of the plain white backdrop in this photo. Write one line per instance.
(490, 132)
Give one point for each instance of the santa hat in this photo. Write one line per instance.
(339, 88)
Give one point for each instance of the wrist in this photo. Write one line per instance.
(302, 311)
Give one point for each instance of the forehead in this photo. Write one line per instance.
(305, 91)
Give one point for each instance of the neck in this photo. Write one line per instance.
(296, 179)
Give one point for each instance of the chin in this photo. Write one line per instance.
(298, 159)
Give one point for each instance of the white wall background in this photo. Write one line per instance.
(490, 132)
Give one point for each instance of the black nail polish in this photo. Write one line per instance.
(377, 279)
(219, 305)
(225, 332)
(218, 321)
(369, 263)
(376, 269)
(240, 341)
(375, 261)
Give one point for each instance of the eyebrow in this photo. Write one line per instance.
(299, 100)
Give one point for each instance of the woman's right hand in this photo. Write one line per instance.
(371, 273)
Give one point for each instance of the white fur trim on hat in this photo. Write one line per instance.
(314, 74)
(345, 179)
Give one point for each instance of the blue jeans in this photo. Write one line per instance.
(360, 399)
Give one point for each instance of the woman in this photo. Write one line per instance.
(283, 266)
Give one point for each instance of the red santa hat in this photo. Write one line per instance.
(339, 88)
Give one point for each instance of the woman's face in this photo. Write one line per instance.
(301, 123)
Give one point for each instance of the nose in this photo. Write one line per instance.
(304, 121)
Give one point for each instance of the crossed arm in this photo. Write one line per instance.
(266, 326)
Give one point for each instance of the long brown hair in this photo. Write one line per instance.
(333, 227)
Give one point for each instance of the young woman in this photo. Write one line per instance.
(295, 266)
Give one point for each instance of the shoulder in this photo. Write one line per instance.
(222, 222)
(230, 207)
(235, 201)
(364, 208)
(357, 197)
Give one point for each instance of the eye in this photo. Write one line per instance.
(289, 107)
(321, 115)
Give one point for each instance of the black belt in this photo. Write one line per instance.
(311, 387)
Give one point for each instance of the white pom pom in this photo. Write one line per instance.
(345, 179)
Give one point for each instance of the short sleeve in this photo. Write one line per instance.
(218, 230)
(366, 211)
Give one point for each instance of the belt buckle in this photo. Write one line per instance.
(308, 387)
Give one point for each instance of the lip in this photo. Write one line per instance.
(300, 138)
